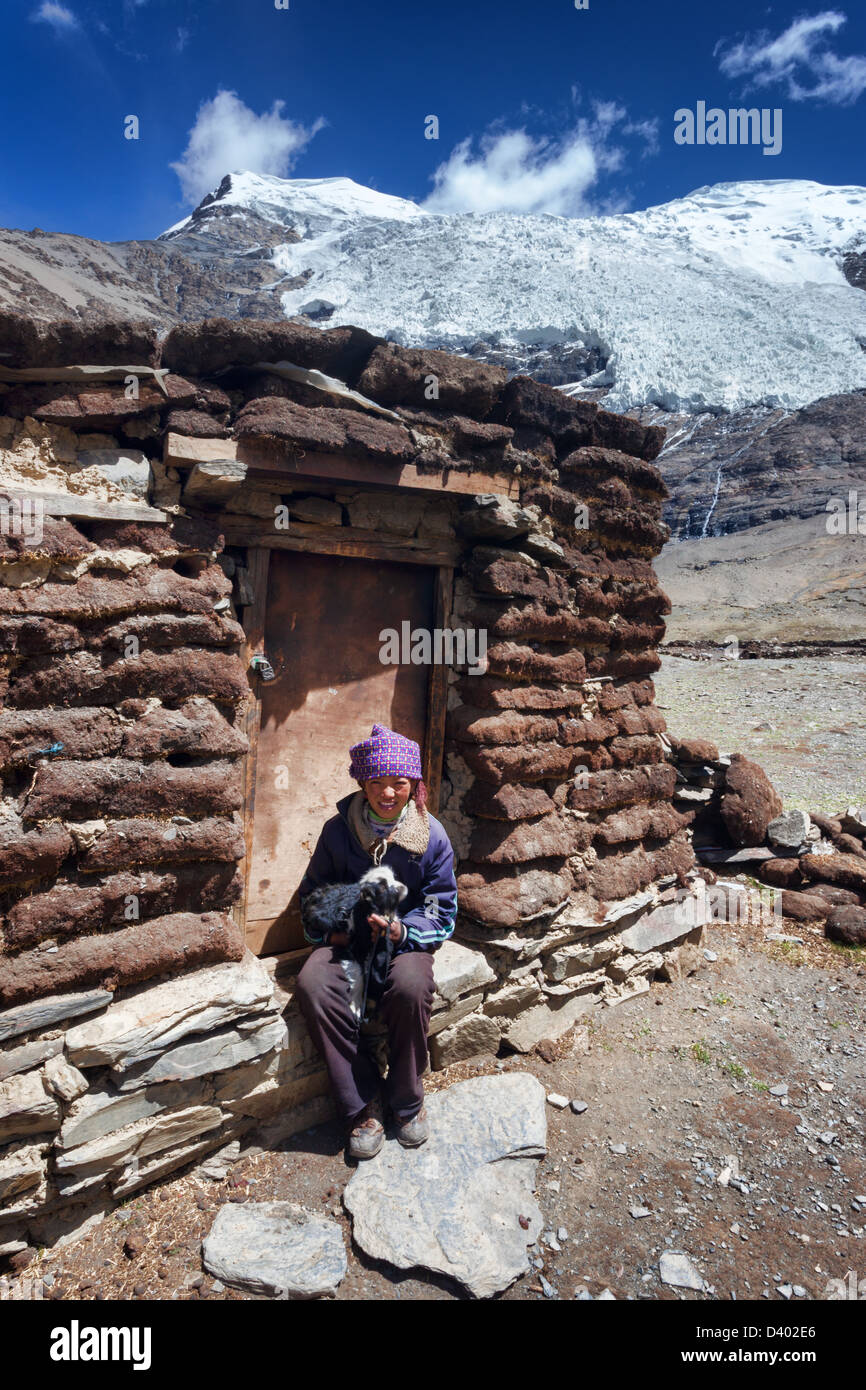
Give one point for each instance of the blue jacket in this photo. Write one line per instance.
(419, 854)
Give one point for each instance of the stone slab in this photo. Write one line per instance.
(758, 854)
(445, 1018)
(458, 969)
(71, 1224)
(22, 1167)
(46, 1013)
(63, 1080)
(277, 1249)
(102, 1111)
(677, 1269)
(627, 965)
(26, 1107)
(544, 1021)
(32, 1054)
(151, 1018)
(203, 1056)
(468, 1037)
(137, 1175)
(574, 960)
(661, 927)
(513, 999)
(790, 830)
(272, 1098)
(625, 990)
(453, 1206)
(140, 1140)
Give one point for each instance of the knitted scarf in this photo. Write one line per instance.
(412, 830)
(380, 826)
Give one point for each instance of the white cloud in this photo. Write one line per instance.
(514, 172)
(228, 137)
(61, 19)
(648, 131)
(800, 58)
(607, 115)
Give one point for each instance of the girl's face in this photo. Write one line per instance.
(388, 795)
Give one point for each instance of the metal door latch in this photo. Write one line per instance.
(263, 667)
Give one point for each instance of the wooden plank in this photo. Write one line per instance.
(246, 593)
(258, 562)
(273, 460)
(180, 451)
(85, 374)
(287, 961)
(70, 504)
(267, 460)
(213, 482)
(258, 936)
(434, 752)
(336, 540)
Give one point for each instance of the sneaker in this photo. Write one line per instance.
(412, 1133)
(366, 1137)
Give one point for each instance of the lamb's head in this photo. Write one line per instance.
(381, 891)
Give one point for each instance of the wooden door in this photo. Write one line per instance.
(321, 633)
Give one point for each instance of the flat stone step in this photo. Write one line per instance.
(451, 1205)
(275, 1248)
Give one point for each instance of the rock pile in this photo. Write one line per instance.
(124, 1052)
(818, 862)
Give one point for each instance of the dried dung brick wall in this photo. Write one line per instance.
(136, 1033)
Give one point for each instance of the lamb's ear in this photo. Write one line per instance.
(402, 890)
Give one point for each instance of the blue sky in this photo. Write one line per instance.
(541, 107)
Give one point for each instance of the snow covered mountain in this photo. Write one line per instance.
(734, 296)
(316, 205)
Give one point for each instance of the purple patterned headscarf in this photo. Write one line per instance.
(385, 754)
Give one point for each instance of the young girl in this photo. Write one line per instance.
(386, 821)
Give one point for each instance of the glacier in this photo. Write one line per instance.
(733, 296)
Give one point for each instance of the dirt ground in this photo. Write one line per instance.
(800, 719)
(681, 1076)
(784, 581)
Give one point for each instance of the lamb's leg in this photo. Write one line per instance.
(355, 977)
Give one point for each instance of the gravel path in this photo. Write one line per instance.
(803, 720)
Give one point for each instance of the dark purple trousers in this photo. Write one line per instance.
(322, 992)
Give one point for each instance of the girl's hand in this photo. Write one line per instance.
(380, 924)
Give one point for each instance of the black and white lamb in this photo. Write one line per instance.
(338, 907)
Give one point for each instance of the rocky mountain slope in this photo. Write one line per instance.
(735, 316)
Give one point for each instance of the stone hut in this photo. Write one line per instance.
(222, 557)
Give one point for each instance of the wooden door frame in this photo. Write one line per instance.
(258, 566)
(254, 619)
